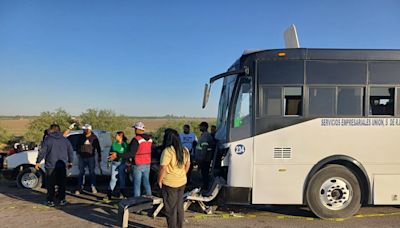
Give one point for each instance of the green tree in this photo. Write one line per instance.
(5, 136)
(37, 126)
(104, 119)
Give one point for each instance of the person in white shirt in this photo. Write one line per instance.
(189, 140)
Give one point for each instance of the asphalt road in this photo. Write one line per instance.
(24, 208)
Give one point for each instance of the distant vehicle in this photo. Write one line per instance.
(20, 166)
(315, 127)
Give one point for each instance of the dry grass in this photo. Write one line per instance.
(151, 124)
(17, 127)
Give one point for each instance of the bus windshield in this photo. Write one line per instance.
(223, 107)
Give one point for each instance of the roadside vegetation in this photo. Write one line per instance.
(102, 119)
(5, 136)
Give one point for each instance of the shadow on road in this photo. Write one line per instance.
(91, 207)
(87, 207)
(288, 210)
(285, 210)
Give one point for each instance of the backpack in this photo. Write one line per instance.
(86, 148)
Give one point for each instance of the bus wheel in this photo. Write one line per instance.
(334, 192)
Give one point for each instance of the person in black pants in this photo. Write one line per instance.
(58, 154)
(174, 164)
(56, 176)
(204, 154)
(173, 205)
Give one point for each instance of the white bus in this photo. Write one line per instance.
(315, 127)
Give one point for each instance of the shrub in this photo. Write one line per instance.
(104, 119)
(5, 136)
(37, 126)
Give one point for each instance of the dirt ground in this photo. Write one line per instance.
(24, 208)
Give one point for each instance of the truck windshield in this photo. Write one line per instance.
(223, 107)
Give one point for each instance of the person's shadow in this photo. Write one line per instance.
(92, 209)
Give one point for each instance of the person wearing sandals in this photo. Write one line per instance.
(118, 148)
(174, 164)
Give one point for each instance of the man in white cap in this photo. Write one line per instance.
(86, 147)
(139, 154)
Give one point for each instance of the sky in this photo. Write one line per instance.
(152, 58)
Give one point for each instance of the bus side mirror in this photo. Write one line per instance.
(205, 96)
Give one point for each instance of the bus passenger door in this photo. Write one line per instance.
(241, 140)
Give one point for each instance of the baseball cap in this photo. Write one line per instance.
(87, 126)
(138, 125)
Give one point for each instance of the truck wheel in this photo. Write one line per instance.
(334, 192)
(29, 178)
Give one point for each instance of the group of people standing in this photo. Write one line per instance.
(180, 153)
(136, 155)
(201, 150)
(178, 150)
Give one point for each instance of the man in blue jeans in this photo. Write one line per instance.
(87, 146)
(139, 154)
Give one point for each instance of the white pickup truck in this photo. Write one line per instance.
(20, 166)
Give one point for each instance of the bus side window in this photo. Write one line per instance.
(242, 117)
(398, 101)
(243, 104)
(322, 101)
(381, 101)
(271, 101)
(350, 101)
(293, 101)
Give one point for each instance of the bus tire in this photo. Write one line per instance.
(334, 192)
(30, 178)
